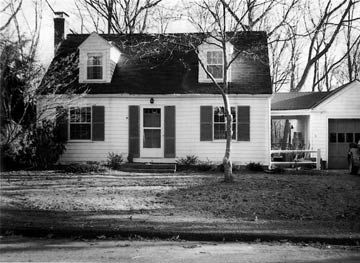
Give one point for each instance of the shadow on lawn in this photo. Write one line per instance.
(273, 197)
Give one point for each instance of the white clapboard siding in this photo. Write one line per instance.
(187, 129)
(343, 105)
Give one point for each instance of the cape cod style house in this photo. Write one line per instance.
(146, 95)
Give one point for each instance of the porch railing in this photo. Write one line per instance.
(317, 162)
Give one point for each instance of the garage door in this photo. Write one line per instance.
(341, 133)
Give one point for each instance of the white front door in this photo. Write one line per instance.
(151, 132)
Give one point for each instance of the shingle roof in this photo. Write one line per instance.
(171, 67)
(301, 100)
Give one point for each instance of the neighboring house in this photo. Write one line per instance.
(328, 121)
(148, 97)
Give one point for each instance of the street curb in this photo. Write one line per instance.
(176, 234)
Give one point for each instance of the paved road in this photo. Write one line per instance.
(34, 250)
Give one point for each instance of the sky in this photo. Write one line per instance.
(46, 42)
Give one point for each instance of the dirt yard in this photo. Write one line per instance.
(253, 196)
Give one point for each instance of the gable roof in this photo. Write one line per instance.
(159, 64)
(302, 100)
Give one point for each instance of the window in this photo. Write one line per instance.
(94, 66)
(332, 137)
(357, 137)
(220, 123)
(80, 123)
(215, 64)
(341, 137)
(349, 137)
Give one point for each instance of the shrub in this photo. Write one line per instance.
(130, 158)
(188, 161)
(38, 147)
(205, 166)
(83, 167)
(114, 160)
(255, 167)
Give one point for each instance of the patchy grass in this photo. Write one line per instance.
(331, 197)
(285, 196)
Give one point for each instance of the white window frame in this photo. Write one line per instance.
(208, 64)
(69, 124)
(234, 122)
(100, 54)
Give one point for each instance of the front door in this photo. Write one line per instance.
(151, 132)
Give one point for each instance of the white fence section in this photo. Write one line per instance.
(317, 162)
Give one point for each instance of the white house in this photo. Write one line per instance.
(148, 97)
(328, 121)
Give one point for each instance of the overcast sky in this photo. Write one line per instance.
(46, 46)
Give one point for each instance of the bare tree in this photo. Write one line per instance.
(326, 20)
(215, 21)
(119, 16)
(10, 9)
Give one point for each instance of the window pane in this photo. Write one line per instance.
(216, 71)
(80, 131)
(233, 113)
(341, 137)
(152, 138)
(219, 131)
(94, 72)
(219, 114)
(357, 137)
(332, 137)
(214, 57)
(75, 115)
(152, 118)
(349, 137)
(94, 60)
(85, 114)
(234, 131)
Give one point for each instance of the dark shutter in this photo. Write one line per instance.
(134, 131)
(169, 146)
(206, 123)
(98, 123)
(243, 123)
(61, 129)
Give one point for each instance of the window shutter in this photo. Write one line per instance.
(206, 123)
(98, 123)
(169, 146)
(134, 131)
(61, 124)
(243, 123)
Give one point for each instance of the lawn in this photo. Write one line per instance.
(324, 197)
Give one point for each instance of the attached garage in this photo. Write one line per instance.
(328, 121)
(341, 133)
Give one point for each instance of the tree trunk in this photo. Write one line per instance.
(228, 176)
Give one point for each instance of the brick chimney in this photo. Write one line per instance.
(59, 29)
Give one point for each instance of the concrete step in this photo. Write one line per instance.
(132, 170)
(149, 167)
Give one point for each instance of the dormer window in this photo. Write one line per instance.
(215, 63)
(94, 66)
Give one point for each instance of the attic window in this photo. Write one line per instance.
(215, 64)
(94, 66)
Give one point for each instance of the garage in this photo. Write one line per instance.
(342, 132)
(329, 121)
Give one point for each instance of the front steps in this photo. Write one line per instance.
(149, 167)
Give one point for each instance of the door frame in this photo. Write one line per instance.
(152, 152)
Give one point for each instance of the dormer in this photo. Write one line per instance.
(97, 60)
(211, 54)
